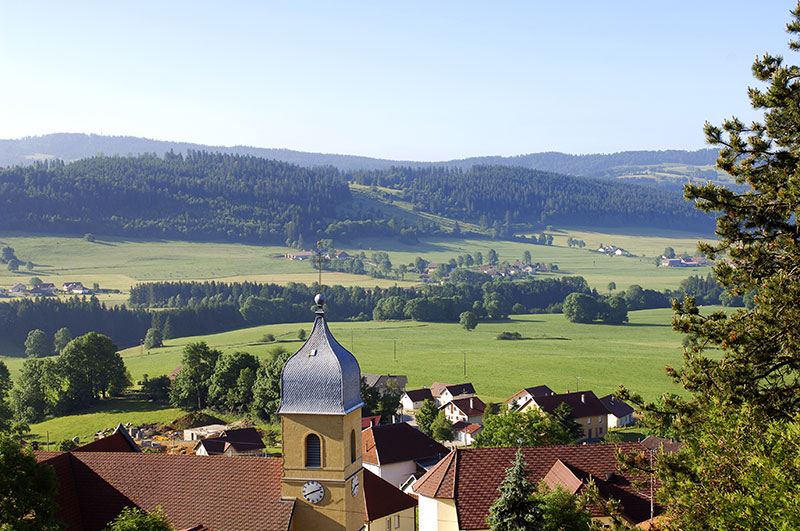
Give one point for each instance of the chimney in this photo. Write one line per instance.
(470, 403)
(583, 398)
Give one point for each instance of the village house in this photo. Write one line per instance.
(444, 393)
(468, 409)
(396, 451)
(241, 441)
(412, 400)
(620, 414)
(457, 493)
(318, 483)
(18, 288)
(300, 255)
(381, 381)
(465, 432)
(526, 394)
(589, 412)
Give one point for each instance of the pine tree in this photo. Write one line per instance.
(516, 509)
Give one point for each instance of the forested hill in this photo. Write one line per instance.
(500, 196)
(199, 196)
(205, 196)
(670, 167)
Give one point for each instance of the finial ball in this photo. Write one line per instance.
(319, 300)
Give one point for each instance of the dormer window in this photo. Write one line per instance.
(313, 452)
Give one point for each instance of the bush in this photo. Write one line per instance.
(268, 338)
(509, 335)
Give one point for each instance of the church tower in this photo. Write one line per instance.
(321, 429)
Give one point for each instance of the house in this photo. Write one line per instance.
(619, 413)
(660, 444)
(204, 432)
(242, 441)
(300, 255)
(381, 381)
(444, 393)
(76, 288)
(396, 451)
(526, 394)
(337, 255)
(18, 288)
(589, 412)
(468, 410)
(412, 400)
(386, 506)
(457, 493)
(672, 262)
(319, 483)
(465, 432)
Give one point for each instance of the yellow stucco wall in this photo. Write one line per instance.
(437, 514)
(407, 521)
(338, 509)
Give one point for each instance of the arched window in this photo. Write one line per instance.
(352, 446)
(313, 452)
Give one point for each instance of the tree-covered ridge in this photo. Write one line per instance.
(201, 195)
(502, 195)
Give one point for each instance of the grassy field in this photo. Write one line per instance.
(553, 352)
(116, 263)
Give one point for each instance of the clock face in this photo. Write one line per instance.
(354, 485)
(313, 491)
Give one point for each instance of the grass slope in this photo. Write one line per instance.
(553, 353)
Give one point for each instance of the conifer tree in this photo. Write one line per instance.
(516, 509)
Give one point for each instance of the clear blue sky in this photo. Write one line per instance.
(402, 80)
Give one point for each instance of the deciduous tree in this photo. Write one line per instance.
(37, 345)
(27, 489)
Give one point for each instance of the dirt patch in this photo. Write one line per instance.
(193, 420)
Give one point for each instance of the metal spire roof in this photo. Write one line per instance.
(322, 378)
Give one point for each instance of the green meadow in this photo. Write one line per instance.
(554, 352)
(119, 263)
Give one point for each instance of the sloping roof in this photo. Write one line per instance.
(395, 443)
(241, 493)
(655, 444)
(213, 445)
(322, 377)
(418, 395)
(583, 403)
(460, 389)
(382, 380)
(473, 475)
(439, 481)
(616, 407)
(470, 406)
(119, 441)
(437, 388)
(381, 498)
(539, 390)
(241, 439)
(466, 427)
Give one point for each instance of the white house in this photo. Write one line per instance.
(412, 400)
(469, 410)
(396, 451)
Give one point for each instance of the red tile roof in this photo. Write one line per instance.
(372, 420)
(119, 441)
(381, 498)
(224, 494)
(466, 427)
(394, 443)
(473, 475)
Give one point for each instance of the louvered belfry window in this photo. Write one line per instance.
(313, 452)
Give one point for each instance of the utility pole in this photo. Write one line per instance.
(576, 383)
(465, 362)
(395, 350)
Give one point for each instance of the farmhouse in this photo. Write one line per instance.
(589, 412)
(457, 493)
(18, 288)
(381, 381)
(300, 255)
(526, 394)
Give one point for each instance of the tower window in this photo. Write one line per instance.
(352, 446)
(313, 452)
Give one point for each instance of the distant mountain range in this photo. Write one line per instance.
(667, 169)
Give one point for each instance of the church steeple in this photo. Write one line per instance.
(322, 378)
(320, 414)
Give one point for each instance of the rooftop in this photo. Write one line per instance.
(394, 443)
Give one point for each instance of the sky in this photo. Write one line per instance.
(400, 80)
